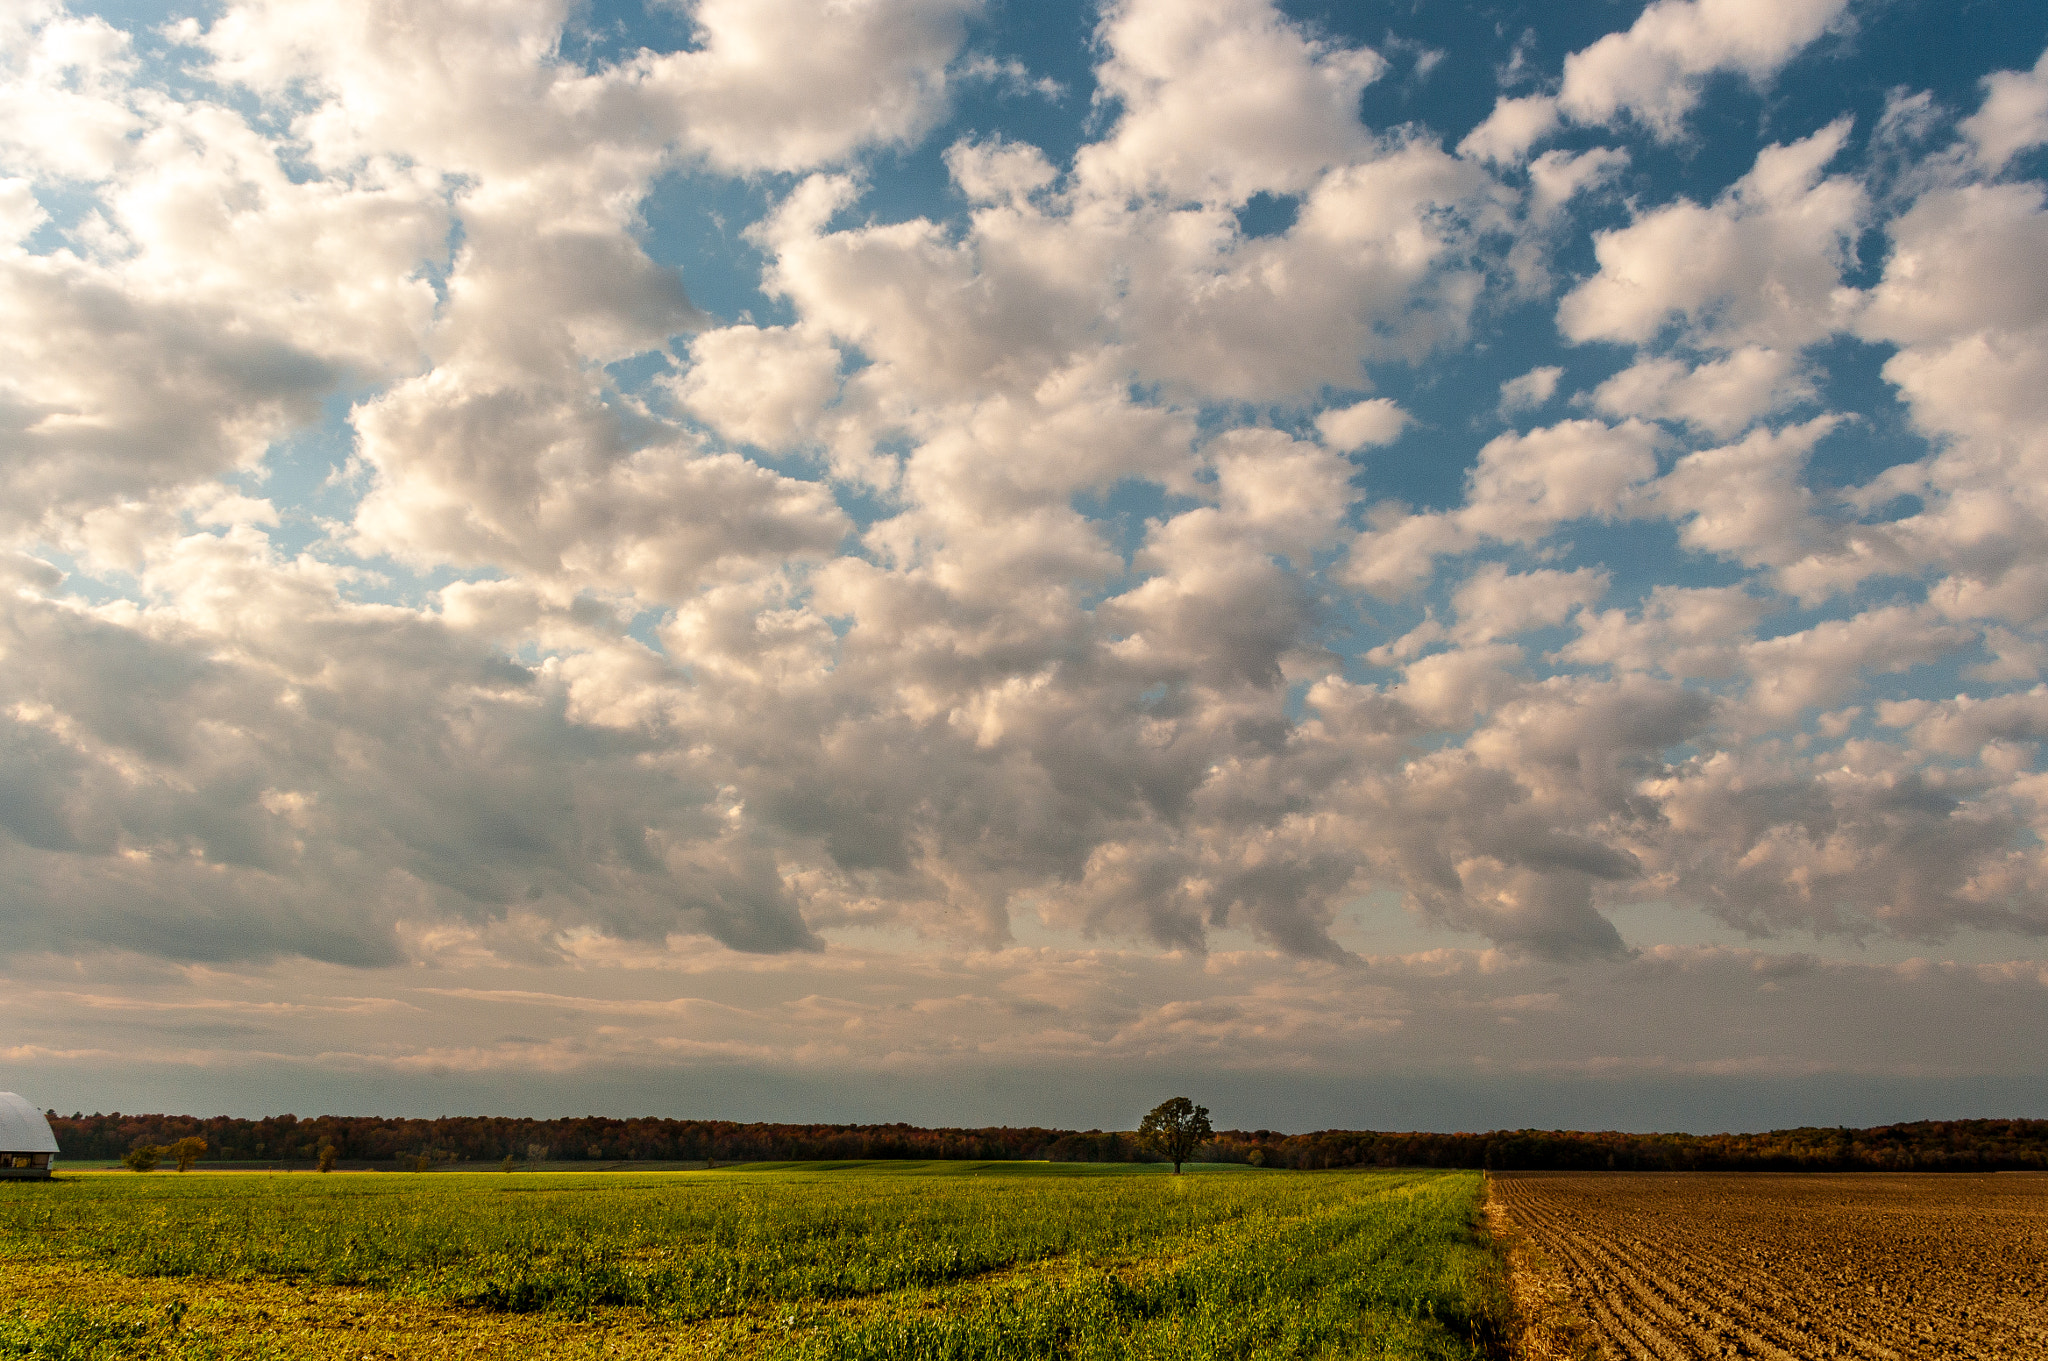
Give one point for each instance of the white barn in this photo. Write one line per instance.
(27, 1144)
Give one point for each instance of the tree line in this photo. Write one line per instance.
(1919, 1146)
(359, 1139)
(1928, 1146)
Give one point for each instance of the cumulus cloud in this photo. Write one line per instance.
(1720, 397)
(264, 768)
(1221, 99)
(789, 85)
(766, 387)
(1867, 848)
(1533, 389)
(1964, 313)
(1515, 124)
(1749, 501)
(2014, 115)
(1522, 487)
(1654, 71)
(1382, 261)
(1963, 725)
(1821, 666)
(1681, 631)
(1558, 177)
(1377, 420)
(210, 303)
(1761, 265)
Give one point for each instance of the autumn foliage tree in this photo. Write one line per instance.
(1174, 1128)
(187, 1151)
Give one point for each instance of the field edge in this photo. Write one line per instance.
(1545, 1322)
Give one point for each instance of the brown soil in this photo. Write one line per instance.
(1673, 1264)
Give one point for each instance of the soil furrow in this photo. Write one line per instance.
(1639, 1334)
(1669, 1323)
(1866, 1266)
(1709, 1313)
(1751, 1307)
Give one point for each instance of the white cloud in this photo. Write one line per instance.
(567, 498)
(1749, 501)
(2013, 657)
(1522, 487)
(770, 85)
(205, 304)
(1533, 389)
(1681, 631)
(792, 84)
(20, 214)
(2014, 115)
(1378, 265)
(996, 171)
(1398, 551)
(1516, 124)
(1655, 70)
(1864, 847)
(1376, 420)
(1221, 99)
(1963, 725)
(766, 387)
(1287, 496)
(1762, 265)
(1959, 266)
(1558, 177)
(1821, 666)
(1495, 603)
(65, 109)
(1721, 397)
(1963, 304)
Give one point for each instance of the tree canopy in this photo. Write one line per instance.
(1174, 1127)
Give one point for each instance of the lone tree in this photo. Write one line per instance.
(143, 1158)
(187, 1151)
(1174, 1127)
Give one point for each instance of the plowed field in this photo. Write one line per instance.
(1669, 1265)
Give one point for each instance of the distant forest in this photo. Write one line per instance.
(1924, 1146)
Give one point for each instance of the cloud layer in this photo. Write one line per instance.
(1075, 540)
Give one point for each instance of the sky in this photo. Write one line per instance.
(971, 561)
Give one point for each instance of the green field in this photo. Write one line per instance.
(896, 1260)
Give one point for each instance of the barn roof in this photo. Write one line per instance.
(23, 1128)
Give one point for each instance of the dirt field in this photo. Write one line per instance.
(1669, 1265)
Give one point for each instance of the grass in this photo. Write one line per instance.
(947, 1261)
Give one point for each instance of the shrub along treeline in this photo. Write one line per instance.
(1924, 1146)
